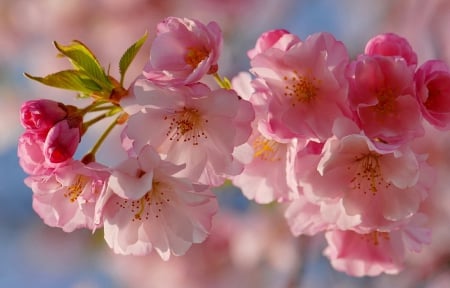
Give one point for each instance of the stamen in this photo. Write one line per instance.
(151, 204)
(368, 176)
(301, 88)
(375, 237)
(75, 190)
(195, 55)
(386, 101)
(266, 149)
(186, 125)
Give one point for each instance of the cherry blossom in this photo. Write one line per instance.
(354, 150)
(145, 207)
(53, 124)
(303, 80)
(278, 38)
(381, 187)
(183, 51)
(42, 114)
(193, 125)
(382, 95)
(376, 251)
(62, 141)
(30, 152)
(66, 197)
(433, 85)
(264, 177)
(391, 44)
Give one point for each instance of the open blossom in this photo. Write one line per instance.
(391, 44)
(145, 207)
(375, 252)
(264, 176)
(383, 99)
(193, 126)
(308, 213)
(308, 90)
(381, 187)
(66, 197)
(183, 51)
(433, 88)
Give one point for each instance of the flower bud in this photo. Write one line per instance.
(390, 44)
(62, 141)
(40, 115)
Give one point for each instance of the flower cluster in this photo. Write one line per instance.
(345, 141)
(340, 141)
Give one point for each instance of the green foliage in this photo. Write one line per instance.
(84, 60)
(69, 79)
(87, 76)
(129, 55)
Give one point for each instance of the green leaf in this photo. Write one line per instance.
(69, 79)
(129, 55)
(83, 59)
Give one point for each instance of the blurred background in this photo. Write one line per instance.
(250, 245)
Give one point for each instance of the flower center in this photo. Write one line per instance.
(301, 88)
(368, 177)
(386, 101)
(186, 124)
(265, 149)
(151, 204)
(195, 55)
(374, 237)
(75, 190)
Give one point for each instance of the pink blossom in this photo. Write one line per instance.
(308, 214)
(305, 218)
(307, 87)
(375, 252)
(264, 176)
(391, 44)
(381, 187)
(145, 207)
(193, 126)
(433, 88)
(382, 96)
(241, 83)
(278, 38)
(62, 141)
(30, 151)
(66, 197)
(40, 115)
(183, 51)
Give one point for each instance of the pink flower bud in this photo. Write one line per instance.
(40, 115)
(390, 44)
(61, 142)
(278, 38)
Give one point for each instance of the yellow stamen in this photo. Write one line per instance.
(301, 88)
(266, 149)
(75, 190)
(195, 55)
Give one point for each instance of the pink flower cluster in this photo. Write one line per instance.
(339, 140)
(180, 136)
